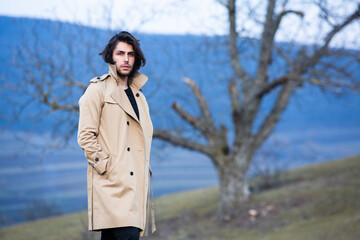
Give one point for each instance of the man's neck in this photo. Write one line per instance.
(123, 81)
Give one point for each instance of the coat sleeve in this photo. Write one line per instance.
(90, 107)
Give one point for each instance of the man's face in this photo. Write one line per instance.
(124, 58)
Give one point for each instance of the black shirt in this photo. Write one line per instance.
(130, 95)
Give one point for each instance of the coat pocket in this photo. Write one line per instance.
(111, 165)
(101, 167)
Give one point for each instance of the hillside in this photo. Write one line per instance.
(315, 202)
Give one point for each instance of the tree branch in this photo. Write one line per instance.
(205, 112)
(67, 107)
(272, 85)
(204, 123)
(235, 109)
(330, 83)
(234, 52)
(177, 140)
(285, 12)
(282, 54)
(273, 117)
(193, 121)
(311, 61)
(271, 26)
(338, 28)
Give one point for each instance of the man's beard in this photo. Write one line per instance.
(121, 74)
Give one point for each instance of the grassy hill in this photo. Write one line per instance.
(317, 202)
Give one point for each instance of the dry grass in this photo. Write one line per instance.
(314, 203)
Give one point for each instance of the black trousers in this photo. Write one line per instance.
(121, 233)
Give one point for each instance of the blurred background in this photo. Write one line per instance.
(49, 52)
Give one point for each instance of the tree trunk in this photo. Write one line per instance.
(234, 189)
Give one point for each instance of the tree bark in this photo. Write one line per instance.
(234, 189)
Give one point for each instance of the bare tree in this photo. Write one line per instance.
(306, 66)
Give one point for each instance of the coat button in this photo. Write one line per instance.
(131, 173)
(128, 149)
(137, 94)
(128, 123)
(96, 159)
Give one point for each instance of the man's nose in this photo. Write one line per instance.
(126, 58)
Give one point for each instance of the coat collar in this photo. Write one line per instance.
(120, 96)
(138, 81)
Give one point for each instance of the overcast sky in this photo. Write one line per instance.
(155, 16)
(179, 16)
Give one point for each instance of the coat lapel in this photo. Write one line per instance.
(122, 99)
(140, 106)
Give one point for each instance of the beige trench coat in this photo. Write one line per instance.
(117, 148)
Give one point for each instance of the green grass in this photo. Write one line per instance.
(317, 202)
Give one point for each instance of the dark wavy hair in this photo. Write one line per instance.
(125, 37)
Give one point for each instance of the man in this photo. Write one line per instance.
(115, 132)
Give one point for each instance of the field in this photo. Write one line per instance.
(316, 202)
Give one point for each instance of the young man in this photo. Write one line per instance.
(115, 132)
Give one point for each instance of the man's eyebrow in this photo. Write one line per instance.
(122, 51)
